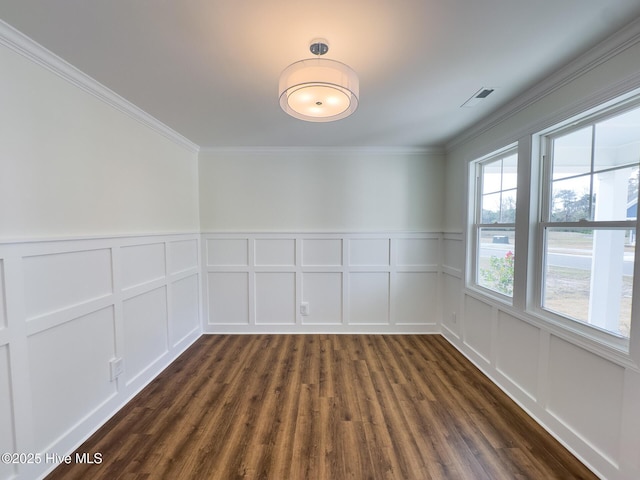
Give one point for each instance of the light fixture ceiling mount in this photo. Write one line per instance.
(318, 89)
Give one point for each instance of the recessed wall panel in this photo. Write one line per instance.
(369, 298)
(184, 307)
(323, 293)
(451, 302)
(416, 297)
(477, 326)
(322, 252)
(275, 252)
(228, 298)
(145, 330)
(228, 252)
(452, 254)
(57, 281)
(585, 392)
(183, 255)
(417, 251)
(369, 251)
(275, 298)
(69, 373)
(517, 352)
(6, 412)
(3, 308)
(142, 264)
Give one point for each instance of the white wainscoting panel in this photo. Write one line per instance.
(7, 431)
(369, 252)
(68, 308)
(185, 305)
(453, 252)
(227, 252)
(3, 308)
(517, 352)
(228, 298)
(142, 264)
(478, 327)
(183, 256)
(145, 331)
(326, 252)
(374, 282)
(57, 281)
(451, 309)
(418, 252)
(275, 252)
(369, 298)
(275, 294)
(574, 401)
(69, 371)
(417, 294)
(323, 290)
(452, 283)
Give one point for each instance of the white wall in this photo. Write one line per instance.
(323, 190)
(99, 252)
(72, 165)
(285, 226)
(587, 397)
(375, 282)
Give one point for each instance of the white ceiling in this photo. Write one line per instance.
(209, 68)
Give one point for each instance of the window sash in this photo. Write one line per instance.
(495, 275)
(479, 186)
(546, 223)
(479, 225)
(587, 302)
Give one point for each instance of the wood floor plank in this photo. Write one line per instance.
(325, 407)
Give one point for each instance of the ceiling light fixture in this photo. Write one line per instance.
(318, 89)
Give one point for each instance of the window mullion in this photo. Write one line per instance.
(592, 214)
(479, 188)
(547, 163)
(592, 224)
(496, 225)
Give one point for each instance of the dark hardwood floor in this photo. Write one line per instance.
(299, 407)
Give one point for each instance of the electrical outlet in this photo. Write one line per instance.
(304, 308)
(116, 366)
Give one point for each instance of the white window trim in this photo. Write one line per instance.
(474, 224)
(620, 347)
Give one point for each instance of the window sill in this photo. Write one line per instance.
(486, 293)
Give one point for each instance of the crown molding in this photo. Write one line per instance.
(28, 48)
(363, 150)
(592, 58)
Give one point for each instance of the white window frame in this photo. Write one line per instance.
(544, 206)
(476, 225)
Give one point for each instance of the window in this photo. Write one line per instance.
(588, 220)
(494, 222)
(564, 253)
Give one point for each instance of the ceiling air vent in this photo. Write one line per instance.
(477, 97)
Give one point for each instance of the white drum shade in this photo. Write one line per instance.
(319, 90)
